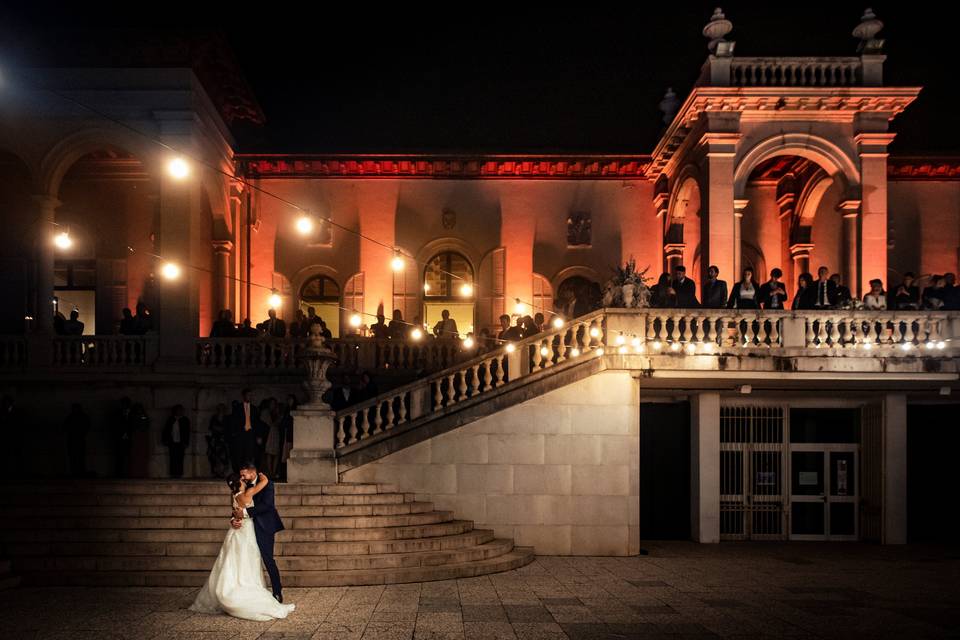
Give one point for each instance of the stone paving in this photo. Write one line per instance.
(680, 590)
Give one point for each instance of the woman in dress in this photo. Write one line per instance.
(236, 585)
(745, 293)
(876, 300)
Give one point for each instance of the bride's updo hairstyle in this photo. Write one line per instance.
(233, 481)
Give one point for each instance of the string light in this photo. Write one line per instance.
(691, 348)
(657, 345)
(675, 346)
(304, 225)
(557, 322)
(466, 290)
(622, 350)
(170, 270)
(519, 308)
(178, 168)
(599, 351)
(426, 287)
(510, 348)
(906, 346)
(468, 343)
(620, 339)
(416, 334)
(63, 240)
(544, 351)
(397, 263)
(594, 332)
(574, 352)
(868, 345)
(708, 347)
(941, 345)
(275, 300)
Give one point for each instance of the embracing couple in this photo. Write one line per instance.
(236, 585)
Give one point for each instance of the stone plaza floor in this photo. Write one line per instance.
(680, 590)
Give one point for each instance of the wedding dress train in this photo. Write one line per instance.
(236, 585)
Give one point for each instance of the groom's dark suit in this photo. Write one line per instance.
(266, 523)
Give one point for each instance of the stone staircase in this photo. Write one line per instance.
(168, 533)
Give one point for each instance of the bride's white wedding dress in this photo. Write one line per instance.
(236, 585)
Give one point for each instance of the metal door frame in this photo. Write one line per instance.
(825, 497)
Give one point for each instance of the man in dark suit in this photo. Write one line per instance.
(685, 288)
(773, 294)
(714, 291)
(266, 524)
(843, 292)
(273, 326)
(826, 290)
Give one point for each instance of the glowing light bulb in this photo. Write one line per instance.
(867, 346)
(640, 347)
(426, 287)
(519, 308)
(622, 350)
(599, 351)
(468, 343)
(275, 300)
(510, 348)
(304, 225)
(930, 344)
(178, 168)
(594, 332)
(620, 339)
(906, 346)
(63, 240)
(574, 352)
(397, 263)
(941, 345)
(416, 333)
(170, 270)
(708, 347)
(466, 290)
(635, 342)
(356, 320)
(557, 322)
(675, 346)
(657, 345)
(544, 351)
(691, 348)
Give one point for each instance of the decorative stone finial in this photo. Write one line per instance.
(316, 357)
(868, 28)
(716, 29)
(669, 106)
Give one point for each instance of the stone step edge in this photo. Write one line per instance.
(150, 511)
(160, 486)
(519, 557)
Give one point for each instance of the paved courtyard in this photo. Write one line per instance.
(680, 590)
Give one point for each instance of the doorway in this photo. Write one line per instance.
(665, 470)
(823, 492)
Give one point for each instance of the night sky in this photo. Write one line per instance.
(462, 77)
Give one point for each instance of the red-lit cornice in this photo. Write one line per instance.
(537, 167)
(920, 168)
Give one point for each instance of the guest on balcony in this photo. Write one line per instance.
(128, 325)
(299, 327)
(176, 437)
(508, 333)
(685, 288)
(715, 290)
(446, 327)
(397, 330)
(951, 297)
(273, 327)
(245, 330)
(907, 294)
(745, 293)
(843, 293)
(933, 296)
(806, 296)
(224, 326)
(772, 292)
(73, 326)
(662, 294)
(379, 329)
(143, 319)
(826, 290)
(538, 320)
(876, 300)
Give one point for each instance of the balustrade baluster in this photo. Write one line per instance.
(537, 359)
(437, 395)
(475, 380)
(451, 390)
(895, 333)
(749, 332)
(377, 419)
(391, 416)
(834, 329)
(487, 374)
(402, 408)
(561, 349)
(462, 387)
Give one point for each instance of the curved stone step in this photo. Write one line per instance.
(219, 498)
(221, 510)
(330, 522)
(517, 558)
(286, 563)
(211, 549)
(216, 534)
(191, 487)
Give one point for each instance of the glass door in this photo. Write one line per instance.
(823, 492)
(808, 520)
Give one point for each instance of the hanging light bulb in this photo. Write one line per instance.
(691, 348)
(622, 350)
(426, 287)
(466, 290)
(594, 332)
(178, 168)
(170, 270)
(657, 345)
(355, 320)
(510, 348)
(304, 225)
(468, 343)
(574, 352)
(557, 322)
(599, 351)
(620, 339)
(274, 300)
(544, 351)
(63, 240)
(519, 308)
(674, 346)
(416, 333)
(397, 263)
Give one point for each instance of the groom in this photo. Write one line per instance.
(266, 523)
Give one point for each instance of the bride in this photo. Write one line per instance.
(236, 585)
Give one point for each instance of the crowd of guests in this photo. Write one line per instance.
(826, 291)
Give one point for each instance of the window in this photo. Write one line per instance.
(445, 275)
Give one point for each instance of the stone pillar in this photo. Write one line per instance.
(46, 230)
(719, 243)
(739, 205)
(894, 469)
(673, 256)
(222, 280)
(377, 202)
(705, 467)
(801, 260)
(850, 209)
(518, 209)
(873, 224)
(313, 458)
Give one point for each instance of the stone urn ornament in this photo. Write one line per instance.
(715, 31)
(316, 358)
(867, 31)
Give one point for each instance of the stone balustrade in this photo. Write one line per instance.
(795, 72)
(104, 352)
(251, 354)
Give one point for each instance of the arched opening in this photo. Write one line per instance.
(322, 294)
(109, 206)
(449, 284)
(578, 295)
(681, 242)
(19, 213)
(542, 296)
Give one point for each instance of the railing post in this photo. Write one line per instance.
(794, 332)
(518, 364)
(419, 401)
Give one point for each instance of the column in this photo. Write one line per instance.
(894, 469)
(518, 215)
(720, 241)
(377, 202)
(873, 187)
(673, 256)
(850, 209)
(705, 467)
(46, 229)
(222, 280)
(800, 253)
(739, 205)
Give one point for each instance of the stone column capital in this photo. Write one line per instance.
(739, 205)
(849, 208)
(222, 246)
(801, 250)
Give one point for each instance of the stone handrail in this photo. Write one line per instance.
(795, 72)
(276, 354)
(13, 352)
(867, 330)
(103, 351)
(468, 380)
